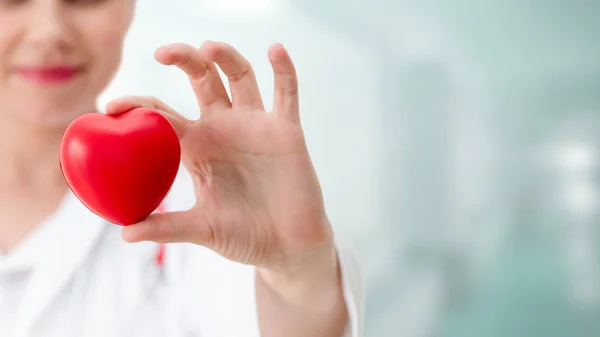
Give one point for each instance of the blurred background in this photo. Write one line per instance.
(457, 143)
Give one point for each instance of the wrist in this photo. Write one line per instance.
(306, 300)
(314, 278)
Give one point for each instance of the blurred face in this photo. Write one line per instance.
(57, 56)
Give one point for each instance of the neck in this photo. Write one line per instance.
(31, 184)
(30, 155)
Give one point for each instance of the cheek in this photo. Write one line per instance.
(10, 26)
(9, 33)
(106, 47)
(107, 58)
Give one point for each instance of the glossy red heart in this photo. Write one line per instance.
(120, 167)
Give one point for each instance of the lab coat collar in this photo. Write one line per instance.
(22, 258)
(75, 233)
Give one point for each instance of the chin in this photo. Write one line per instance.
(49, 116)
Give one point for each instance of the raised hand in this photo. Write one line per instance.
(259, 201)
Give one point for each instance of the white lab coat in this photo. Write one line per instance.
(91, 283)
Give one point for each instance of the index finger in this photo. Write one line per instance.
(203, 75)
(123, 104)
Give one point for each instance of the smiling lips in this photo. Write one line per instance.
(49, 75)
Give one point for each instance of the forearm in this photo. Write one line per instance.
(307, 303)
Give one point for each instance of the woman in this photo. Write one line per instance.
(254, 255)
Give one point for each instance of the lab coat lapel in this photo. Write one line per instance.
(77, 232)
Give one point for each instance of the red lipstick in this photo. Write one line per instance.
(48, 75)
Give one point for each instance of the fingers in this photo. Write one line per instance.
(199, 65)
(286, 83)
(126, 103)
(242, 81)
(170, 227)
(203, 75)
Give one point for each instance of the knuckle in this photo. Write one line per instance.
(226, 45)
(172, 231)
(194, 70)
(154, 102)
(288, 88)
(286, 71)
(185, 61)
(289, 91)
(239, 75)
(206, 44)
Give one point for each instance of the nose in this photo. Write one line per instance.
(48, 26)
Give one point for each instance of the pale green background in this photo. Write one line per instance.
(457, 143)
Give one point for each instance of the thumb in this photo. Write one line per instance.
(126, 103)
(170, 227)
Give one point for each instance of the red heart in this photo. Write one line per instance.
(120, 167)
